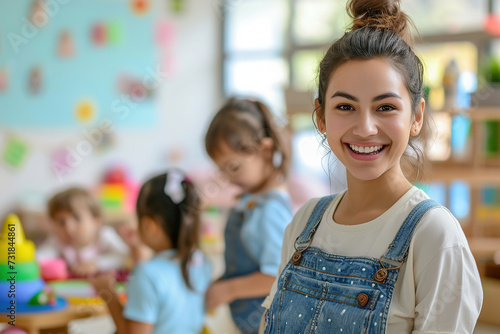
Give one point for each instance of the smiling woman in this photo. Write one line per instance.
(380, 257)
(369, 118)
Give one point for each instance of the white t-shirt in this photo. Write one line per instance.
(438, 288)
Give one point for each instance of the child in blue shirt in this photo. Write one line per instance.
(245, 143)
(165, 294)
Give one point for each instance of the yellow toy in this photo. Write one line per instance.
(21, 287)
(12, 233)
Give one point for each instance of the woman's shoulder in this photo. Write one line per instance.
(439, 228)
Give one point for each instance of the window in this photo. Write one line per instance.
(273, 44)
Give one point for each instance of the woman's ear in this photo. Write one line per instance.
(418, 119)
(320, 119)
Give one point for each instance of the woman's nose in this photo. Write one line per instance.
(365, 125)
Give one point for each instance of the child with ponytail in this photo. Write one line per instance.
(247, 146)
(380, 257)
(165, 294)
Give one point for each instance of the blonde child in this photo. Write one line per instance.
(380, 257)
(245, 143)
(165, 294)
(79, 237)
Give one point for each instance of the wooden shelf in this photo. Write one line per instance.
(476, 176)
(483, 113)
(484, 247)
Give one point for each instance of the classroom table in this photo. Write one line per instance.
(56, 322)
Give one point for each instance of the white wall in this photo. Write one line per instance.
(188, 99)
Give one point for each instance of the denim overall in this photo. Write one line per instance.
(246, 313)
(325, 293)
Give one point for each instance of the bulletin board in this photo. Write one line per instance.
(78, 67)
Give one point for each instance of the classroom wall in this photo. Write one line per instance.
(187, 98)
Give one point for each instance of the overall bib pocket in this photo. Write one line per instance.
(309, 305)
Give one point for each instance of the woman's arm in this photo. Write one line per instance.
(255, 284)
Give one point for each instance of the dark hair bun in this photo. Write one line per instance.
(382, 14)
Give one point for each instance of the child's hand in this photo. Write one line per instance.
(130, 235)
(104, 284)
(85, 269)
(217, 294)
(139, 251)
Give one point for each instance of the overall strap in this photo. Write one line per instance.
(398, 249)
(303, 240)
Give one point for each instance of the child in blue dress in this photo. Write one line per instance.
(246, 145)
(167, 293)
(380, 257)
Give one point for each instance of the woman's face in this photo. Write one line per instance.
(368, 118)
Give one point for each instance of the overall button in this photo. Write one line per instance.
(381, 275)
(297, 256)
(362, 299)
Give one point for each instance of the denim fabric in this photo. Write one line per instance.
(246, 313)
(327, 293)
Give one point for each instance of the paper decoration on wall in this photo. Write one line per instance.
(140, 7)
(15, 152)
(66, 48)
(177, 5)
(99, 34)
(35, 80)
(38, 15)
(164, 33)
(134, 88)
(4, 79)
(85, 111)
(115, 33)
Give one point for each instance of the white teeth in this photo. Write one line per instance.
(366, 149)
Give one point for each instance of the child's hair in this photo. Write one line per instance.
(379, 30)
(65, 201)
(242, 124)
(178, 218)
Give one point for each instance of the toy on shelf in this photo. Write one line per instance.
(21, 286)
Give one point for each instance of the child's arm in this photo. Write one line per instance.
(255, 284)
(114, 250)
(104, 285)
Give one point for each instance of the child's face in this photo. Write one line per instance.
(368, 118)
(247, 171)
(78, 228)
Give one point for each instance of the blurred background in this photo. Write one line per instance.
(105, 93)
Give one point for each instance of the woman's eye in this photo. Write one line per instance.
(386, 108)
(345, 107)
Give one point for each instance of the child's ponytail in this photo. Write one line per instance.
(172, 200)
(189, 233)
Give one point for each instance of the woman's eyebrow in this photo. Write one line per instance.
(376, 98)
(344, 94)
(385, 96)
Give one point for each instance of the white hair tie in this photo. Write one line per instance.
(173, 186)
